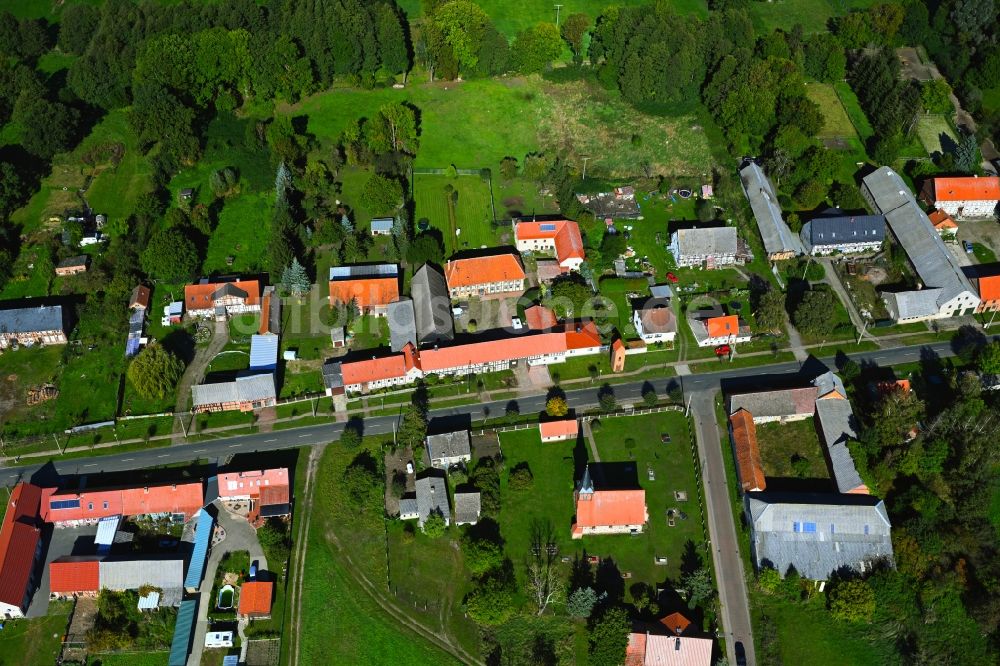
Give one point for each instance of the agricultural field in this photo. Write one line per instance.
(36, 641)
(852, 107)
(460, 208)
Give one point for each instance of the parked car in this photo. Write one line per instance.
(723, 350)
(741, 654)
(968, 247)
(673, 278)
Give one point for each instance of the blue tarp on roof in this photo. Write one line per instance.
(264, 352)
(181, 644)
(202, 539)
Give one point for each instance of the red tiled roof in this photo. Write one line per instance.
(491, 351)
(540, 318)
(184, 498)
(941, 220)
(719, 327)
(19, 537)
(202, 296)
(265, 315)
(676, 623)
(483, 270)
(140, 297)
(658, 319)
(368, 292)
(582, 336)
(255, 597)
(561, 428)
(274, 495)
(989, 287)
(250, 482)
(565, 235)
(371, 370)
(748, 460)
(70, 574)
(967, 189)
(612, 507)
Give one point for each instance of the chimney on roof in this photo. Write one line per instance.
(146, 490)
(677, 644)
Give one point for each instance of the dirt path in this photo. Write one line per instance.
(299, 563)
(196, 371)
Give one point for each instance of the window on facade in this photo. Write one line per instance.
(105, 505)
(866, 529)
(809, 528)
(796, 526)
(90, 506)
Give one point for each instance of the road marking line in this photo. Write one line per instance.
(300, 437)
(163, 456)
(199, 450)
(233, 446)
(127, 459)
(91, 465)
(270, 440)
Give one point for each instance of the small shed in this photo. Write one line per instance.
(338, 338)
(264, 352)
(73, 265)
(382, 226)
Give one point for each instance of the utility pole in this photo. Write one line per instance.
(585, 158)
(558, 7)
(864, 327)
(992, 317)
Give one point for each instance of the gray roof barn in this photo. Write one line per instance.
(402, 326)
(914, 303)
(243, 389)
(31, 320)
(775, 404)
(937, 267)
(713, 241)
(777, 237)
(432, 306)
(837, 424)
(449, 445)
(817, 534)
(835, 227)
(467, 508)
(432, 496)
(408, 508)
(167, 575)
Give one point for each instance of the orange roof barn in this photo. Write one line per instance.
(70, 575)
(483, 270)
(748, 460)
(969, 188)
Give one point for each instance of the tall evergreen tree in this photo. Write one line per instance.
(295, 279)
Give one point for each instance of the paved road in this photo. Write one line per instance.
(380, 425)
(735, 608)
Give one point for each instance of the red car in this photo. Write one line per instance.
(673, 278)
(723, 350)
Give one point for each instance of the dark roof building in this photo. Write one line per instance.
(402, 324)
(432, 306)
(835, 230)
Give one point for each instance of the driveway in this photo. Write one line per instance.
(735, 608)
(239, 536)
(196, 371)
(64, 541)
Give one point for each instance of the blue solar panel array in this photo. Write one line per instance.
(547, 227)
(64, 504)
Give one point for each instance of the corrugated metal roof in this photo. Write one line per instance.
(243, 389)
(149, 601)
(31, 320)
(106, 530)
(914, 303)
(133, 574)
(777, 237)
(432, 306)
(382, 224)
(202, 539)
(183, 629)
(402, 324)
(817, 533)
(263, 352)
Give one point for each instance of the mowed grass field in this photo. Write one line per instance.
(937, 134)
(36, 641)
(475, 124)
(465, 223)
(556, 467)
(780, 443)
(836, 124)
(512, 16)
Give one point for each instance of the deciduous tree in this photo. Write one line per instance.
(608, 637)
(573, 30)
(171, 256)
(155, 371)
(556, 406)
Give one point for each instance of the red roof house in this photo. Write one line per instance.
(480, 276)
(371, 288)
(74, 575)
(608, 511)
(68, 506)
(749, 466)
(719, 327)
(676, 623)
(646, 649)
(206, 298)
(540, 318)
(965, 197)
(989, 293)
(942, 222)
(562, 237)
(255, 599)
(556, 431)
(20, 541)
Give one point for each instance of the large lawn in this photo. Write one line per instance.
(937, 134)
(557, 465)
(812, 15)
(475, 124)
(37, 641)
(836, 123)
(791, 450)
(466, 222)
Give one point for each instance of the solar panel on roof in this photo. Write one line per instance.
(65, 504)
(547, 227)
